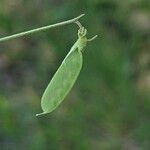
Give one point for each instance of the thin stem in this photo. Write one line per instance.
(79, 24)
(93, 38)
(40, 29)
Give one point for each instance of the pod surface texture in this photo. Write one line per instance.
(62, 81)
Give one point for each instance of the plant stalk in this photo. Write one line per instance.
(40, 29)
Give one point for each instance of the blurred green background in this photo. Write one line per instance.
(109, 105)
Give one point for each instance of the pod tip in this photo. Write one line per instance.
(40, 114)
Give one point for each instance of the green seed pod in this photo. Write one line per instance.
(66, 75)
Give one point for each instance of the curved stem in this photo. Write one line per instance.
(40, 29)
(79, 24)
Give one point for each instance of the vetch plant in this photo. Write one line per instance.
(66, 75)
